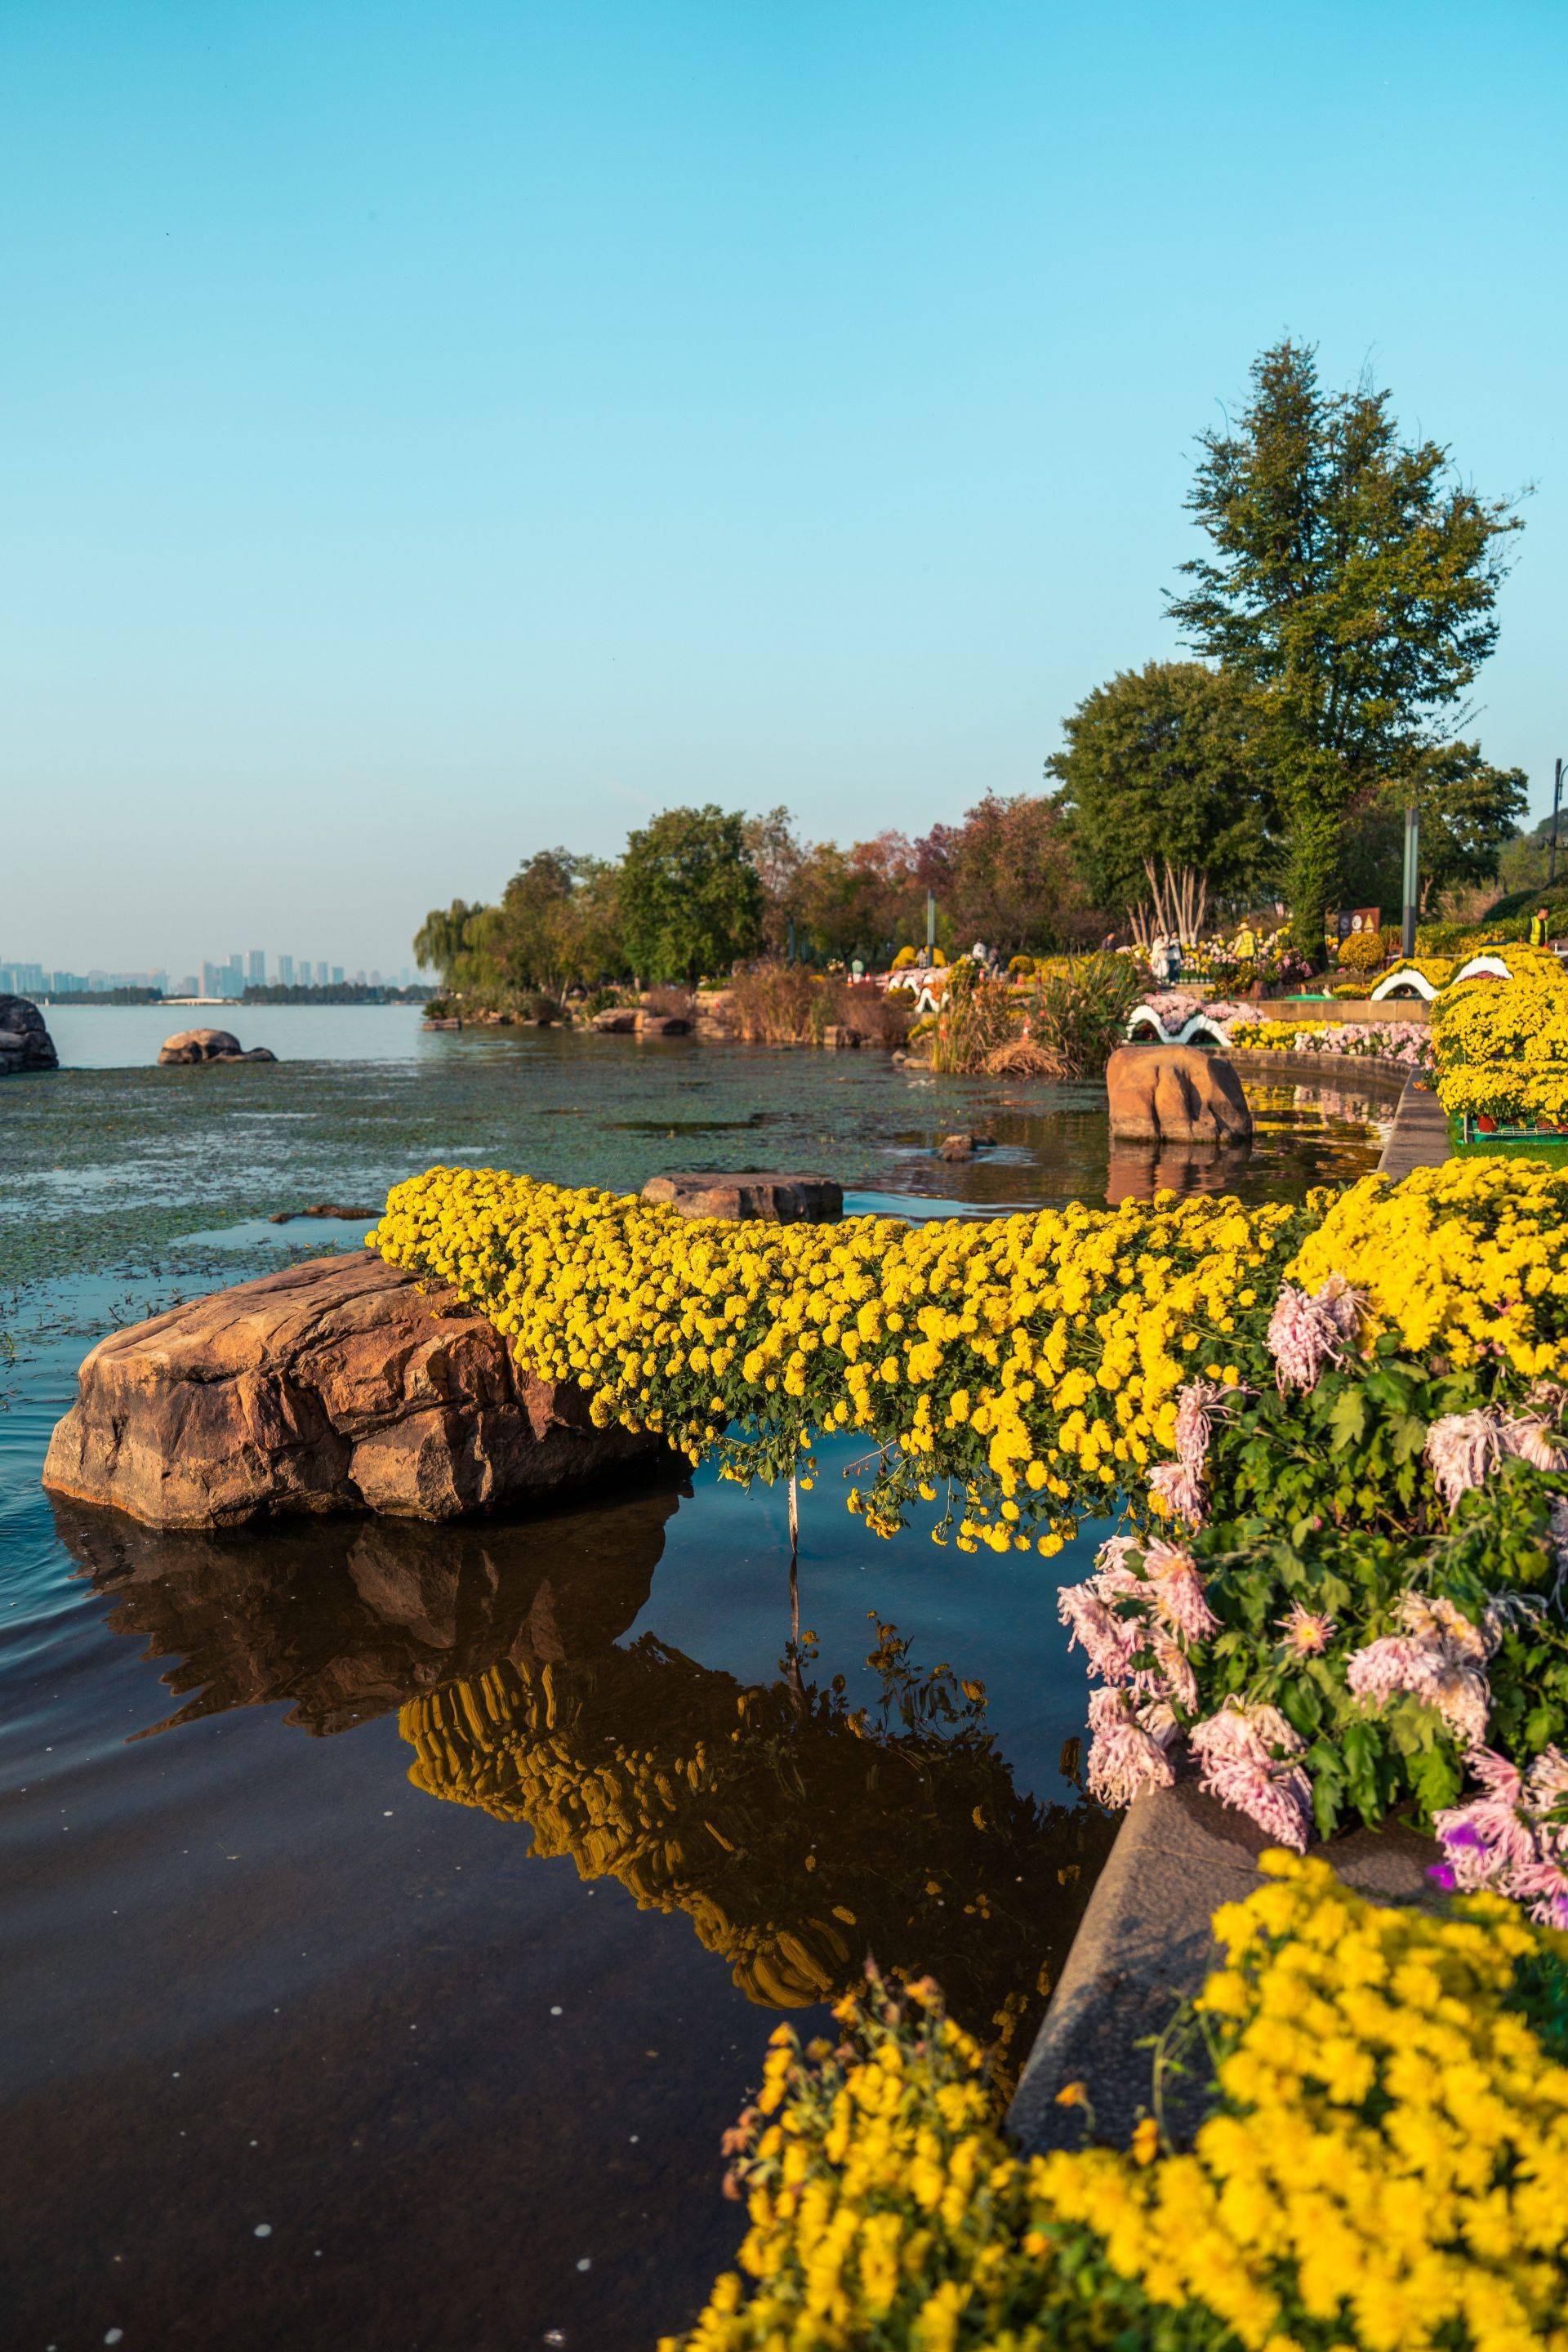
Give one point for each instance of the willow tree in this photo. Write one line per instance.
(1351, 591)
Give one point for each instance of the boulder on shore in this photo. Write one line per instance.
(1175, 1094)
(337, 1385)
(747, 1192)
(25, 1041)
(615, 1021)
(210, 1046)
(662, 1025)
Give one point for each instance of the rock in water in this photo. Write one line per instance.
(1175, 1094)
(333, 1386)
(25, 1042)
(210, 1046)
(787, 1199)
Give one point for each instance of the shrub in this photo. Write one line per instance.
(1379, 2164)
(675, 1003)
(1021, 967)
(1079, 1012)
(777, 1004)
(1362, 951)
(533, 1005)
(879, 1016)
(903, 961)
(976, 1016)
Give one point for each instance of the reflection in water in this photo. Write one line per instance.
(799, 1836)
(348, 1618)
(1136, 1172)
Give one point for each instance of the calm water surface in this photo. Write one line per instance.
(396, 1917)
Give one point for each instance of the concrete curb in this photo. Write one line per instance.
(1146, 1946)
(1343, 1071)
(1420, 1133)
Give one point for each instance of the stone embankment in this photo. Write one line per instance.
(209, 1045)
(25, 1041)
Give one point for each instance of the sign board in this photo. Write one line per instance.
(1350, 920)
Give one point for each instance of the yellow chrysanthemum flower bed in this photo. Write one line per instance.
(1037, 1359)
(1384, 2164)
(1501, 1045)
(1467, 1260)
(1034, 1358)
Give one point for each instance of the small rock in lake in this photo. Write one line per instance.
(209, 1045)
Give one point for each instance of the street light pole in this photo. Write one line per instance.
(1556, 804)
(1412, 877)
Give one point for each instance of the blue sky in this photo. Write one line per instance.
(433, 433)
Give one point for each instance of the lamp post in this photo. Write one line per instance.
(931, 909)
(1412, 877)
(1556, 804)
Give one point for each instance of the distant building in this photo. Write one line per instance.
(23, 979)
(286, 971)
(337, 975)
(255, 967)
(211, 976)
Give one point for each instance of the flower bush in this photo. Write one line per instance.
(1335, 1432)
(1502, 1046)
(1391, 1040)
(1383, 2163)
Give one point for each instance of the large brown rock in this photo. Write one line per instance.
(24, 1040)
(1175, 1094)
(662, 1025)
(333, 1386)
(787, 1199)
(210, 1046)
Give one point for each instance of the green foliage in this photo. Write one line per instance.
(1163, 763)
(1007, 875)
(1351, 593)
(691, 899)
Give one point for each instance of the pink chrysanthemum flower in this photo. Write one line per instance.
(1248, 1755)
(1180, 1484)
(1306, 1334)
(1308, 1631)
(1109, 1641)
(1531, 1440)
(1179, 1591)
(1512, 1838)
(1130, 1750)
(1180, 1490)
(1438, 1658)
(1462, 1448)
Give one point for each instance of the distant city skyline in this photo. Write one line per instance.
(209, 976)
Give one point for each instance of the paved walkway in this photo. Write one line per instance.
(1420, 1134)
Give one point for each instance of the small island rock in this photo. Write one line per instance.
(1175, 1094)
(25, 1041)
(210, 1046)
(748, 1193)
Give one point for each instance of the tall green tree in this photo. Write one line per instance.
(1350, 590)
(691, 899)
(1007, 875)
(441, 941)
(1469, 812)
(1164, 763)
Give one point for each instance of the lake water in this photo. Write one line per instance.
(396, 1917)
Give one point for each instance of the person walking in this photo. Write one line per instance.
(1539, 924)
